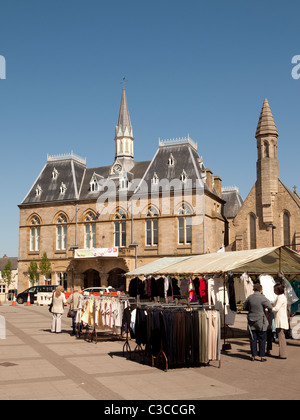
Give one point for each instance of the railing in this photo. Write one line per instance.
(66, 156)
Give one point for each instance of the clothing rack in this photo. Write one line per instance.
(91, 331)
(161, 354)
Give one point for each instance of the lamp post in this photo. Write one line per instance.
(73, 248)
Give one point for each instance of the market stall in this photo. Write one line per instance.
(216, 274)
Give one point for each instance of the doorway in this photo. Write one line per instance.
(91, 279)
(117, 279)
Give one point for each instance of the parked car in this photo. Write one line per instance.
(102, 290)
(33, 291)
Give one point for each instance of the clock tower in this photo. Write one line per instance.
(123, 140)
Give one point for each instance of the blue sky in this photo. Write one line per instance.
(193, 67)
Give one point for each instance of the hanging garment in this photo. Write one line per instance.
(196, 283)
(175, 287)
(267, 282)
(231, 292)
(184, 287)
(212, 334)
(179, 338)
(141, 326)
(192, 292)
(126, 319)
(248, 285)
(169, 329)
(295, 285)
(202, 337)
(203, 291)
(218, 296)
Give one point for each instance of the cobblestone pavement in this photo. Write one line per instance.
(38, 365)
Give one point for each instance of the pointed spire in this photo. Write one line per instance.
(266, 124)
(124, 124)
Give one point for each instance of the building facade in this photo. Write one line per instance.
(270, 215)
(122, 215)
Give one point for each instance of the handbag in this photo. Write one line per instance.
(51, 304)
(71, 313)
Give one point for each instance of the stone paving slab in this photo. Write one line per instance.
(40, 365)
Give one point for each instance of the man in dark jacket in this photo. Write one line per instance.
(256, 305)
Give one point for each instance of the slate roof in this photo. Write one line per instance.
(70, 173)
(76, 177)
(13, 260)
(233, 203)
(185, 158)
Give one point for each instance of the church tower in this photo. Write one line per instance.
(267, 165)
(124, 160)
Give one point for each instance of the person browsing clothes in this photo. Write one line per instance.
(256, 305)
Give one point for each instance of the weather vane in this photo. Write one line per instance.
(124, 81)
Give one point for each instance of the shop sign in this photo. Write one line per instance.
(96, 252)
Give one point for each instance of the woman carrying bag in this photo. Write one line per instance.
(75, 304)
(58, 303)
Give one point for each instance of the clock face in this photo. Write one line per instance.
(117, 168)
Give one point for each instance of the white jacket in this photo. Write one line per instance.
(58, 304)
(280, 312)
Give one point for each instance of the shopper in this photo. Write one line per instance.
(281, 318)
(75, 304)
(58, 302)
(256, 305)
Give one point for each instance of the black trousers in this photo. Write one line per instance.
(261, 338)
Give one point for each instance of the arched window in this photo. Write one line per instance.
(35, 232)
(184, 225)
(120, 229)
(152, 227)
(252, 228)
(90, 230)
(61, 233)
(286, 228)
(266, 149)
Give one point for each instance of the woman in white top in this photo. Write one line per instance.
(281, 318)
(58, 308)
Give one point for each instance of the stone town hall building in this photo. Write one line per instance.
(97, 223)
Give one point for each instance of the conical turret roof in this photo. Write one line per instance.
(266, 124)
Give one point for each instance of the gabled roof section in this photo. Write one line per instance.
(70, 171)
(293, 195)
(266, 124)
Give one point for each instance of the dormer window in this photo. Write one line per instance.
(62, 188)
(123, 181)
(38, 190)
(155, 179)
(94, 185)
(94, 182)
(171, 160)
(54, 174)
(183, 176)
